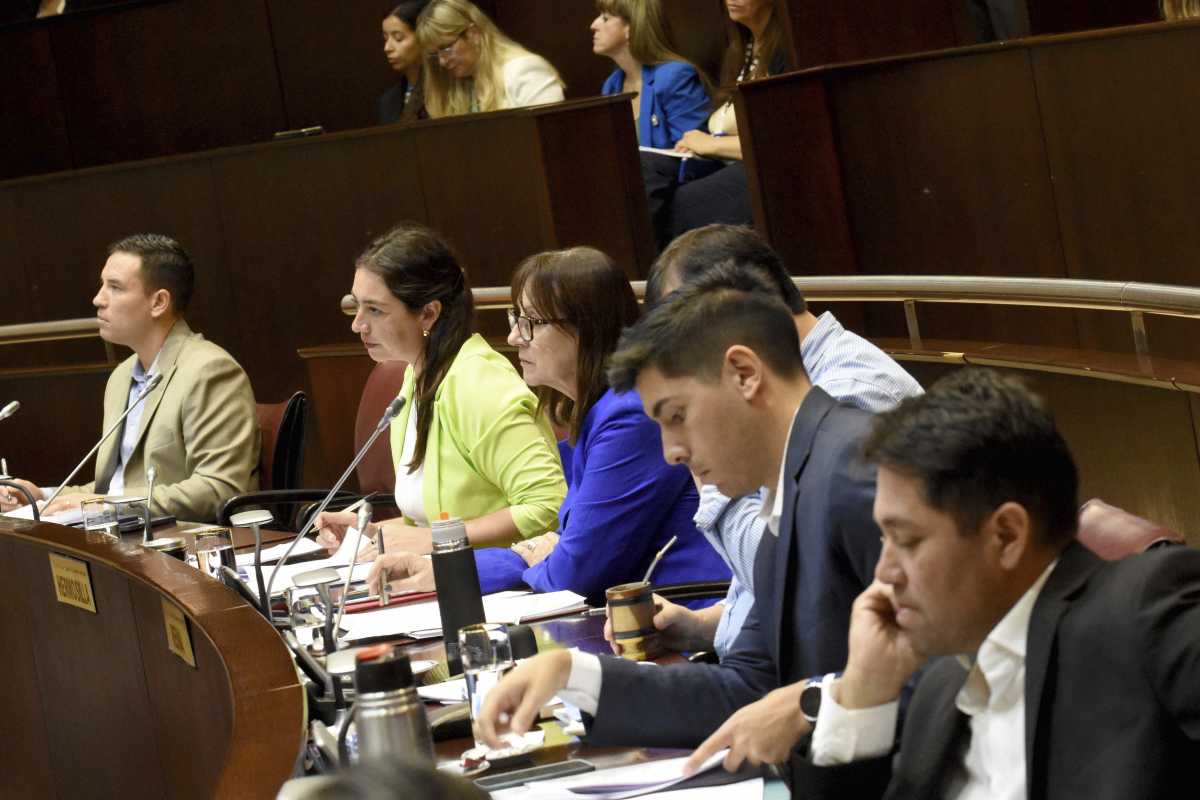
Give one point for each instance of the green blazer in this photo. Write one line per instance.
(488, 448)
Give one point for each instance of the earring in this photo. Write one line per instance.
(425, 333)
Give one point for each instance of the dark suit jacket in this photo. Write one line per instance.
(1112, 692)
(805, 581)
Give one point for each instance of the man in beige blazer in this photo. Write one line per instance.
(198, 426)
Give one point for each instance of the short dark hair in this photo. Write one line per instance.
(165, 265)
(586, 289)
(695, 252)
(688, 333)
(408, 11)
(978, 439)
(419, 266)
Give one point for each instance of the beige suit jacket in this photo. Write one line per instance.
(198, 429)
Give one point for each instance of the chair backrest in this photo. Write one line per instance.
(1113, 533)
(282, 427)
(376, 473)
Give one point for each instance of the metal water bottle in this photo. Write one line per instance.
(460, 600)
(388, 714)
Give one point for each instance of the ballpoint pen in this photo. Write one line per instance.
(383, 573)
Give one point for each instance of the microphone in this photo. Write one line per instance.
(363, 522)
(150, 386)
(10, 409)
(389, 414)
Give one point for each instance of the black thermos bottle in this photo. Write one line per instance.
(460, 600)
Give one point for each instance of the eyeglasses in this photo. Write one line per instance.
(437, 54)
(524, 324)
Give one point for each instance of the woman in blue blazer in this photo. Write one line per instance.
(672, 96)
(624, 502)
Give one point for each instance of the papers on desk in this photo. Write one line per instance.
(424, 621)
(272, 554)
(72, 516)
(649, 779)
(339, 561)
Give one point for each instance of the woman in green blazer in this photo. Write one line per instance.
(469, 441)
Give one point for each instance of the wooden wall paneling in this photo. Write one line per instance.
(16, 304)
(332, 69)
(166, 78)
(946, 174)
(295, 216)
(795, 176)
(1065, 16)
(832, 31)
(593, 183)
(96, 708)
(32, 126)
(1120, 129)
(494, 190)
(1152, 474)
(191, 731)
(562, 36)
(24, 759)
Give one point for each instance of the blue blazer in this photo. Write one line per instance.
(623, 503)
(673, 102)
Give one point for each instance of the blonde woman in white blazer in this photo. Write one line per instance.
(474, 67)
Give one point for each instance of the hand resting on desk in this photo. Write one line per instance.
(331, 527)
(517, 700)
(407, 572)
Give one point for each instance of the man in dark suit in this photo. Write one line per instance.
(1064, 676)
(718, 365)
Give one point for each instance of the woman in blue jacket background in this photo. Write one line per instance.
(672, 95)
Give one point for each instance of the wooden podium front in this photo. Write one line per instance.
(105, 703)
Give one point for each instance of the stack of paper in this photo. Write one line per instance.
(72, 516)
(424, 621)
(272, 554)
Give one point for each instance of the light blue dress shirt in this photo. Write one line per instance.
(852, 371)
(133, 424)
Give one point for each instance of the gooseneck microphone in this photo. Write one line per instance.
(154, 381)
(10, 409)
(392, 411)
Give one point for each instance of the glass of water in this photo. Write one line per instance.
(214, 549)
(486, 657)
(100, 516)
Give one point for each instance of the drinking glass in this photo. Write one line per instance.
(100, 516)
(214, 549)
(486, 657)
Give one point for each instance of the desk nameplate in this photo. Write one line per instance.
(72, 582)
(179, 640)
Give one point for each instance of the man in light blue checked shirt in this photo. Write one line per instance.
(845, 365)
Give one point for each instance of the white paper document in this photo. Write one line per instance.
(272, 554)
(423, 620)
(72, 516)
(339, 561)
(649, 779)
(663, 152)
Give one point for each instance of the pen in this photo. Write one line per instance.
(383, 573)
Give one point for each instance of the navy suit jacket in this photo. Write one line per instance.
(805, 581)
(673, 102)
(1112, 693)
(623, 503)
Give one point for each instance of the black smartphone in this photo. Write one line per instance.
(520, 777)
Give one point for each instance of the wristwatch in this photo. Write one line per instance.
(810, 699)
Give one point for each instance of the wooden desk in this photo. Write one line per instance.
(98, 704)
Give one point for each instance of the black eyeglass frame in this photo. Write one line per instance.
(525, 324)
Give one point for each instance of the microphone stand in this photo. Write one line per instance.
(155, 380)
(392, 411)
(363, 522)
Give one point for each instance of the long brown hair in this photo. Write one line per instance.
(774, 42)
(648, 33)
(587, 289)
(1180, 9)
(419, 267)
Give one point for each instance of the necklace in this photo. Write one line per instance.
(749, 63)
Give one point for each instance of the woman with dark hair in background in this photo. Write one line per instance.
(718, 190)
(469, 441)
(404, 102)
(671, 95)
(624, 502)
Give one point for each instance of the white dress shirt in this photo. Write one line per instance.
(410, 486)
(993, 697)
